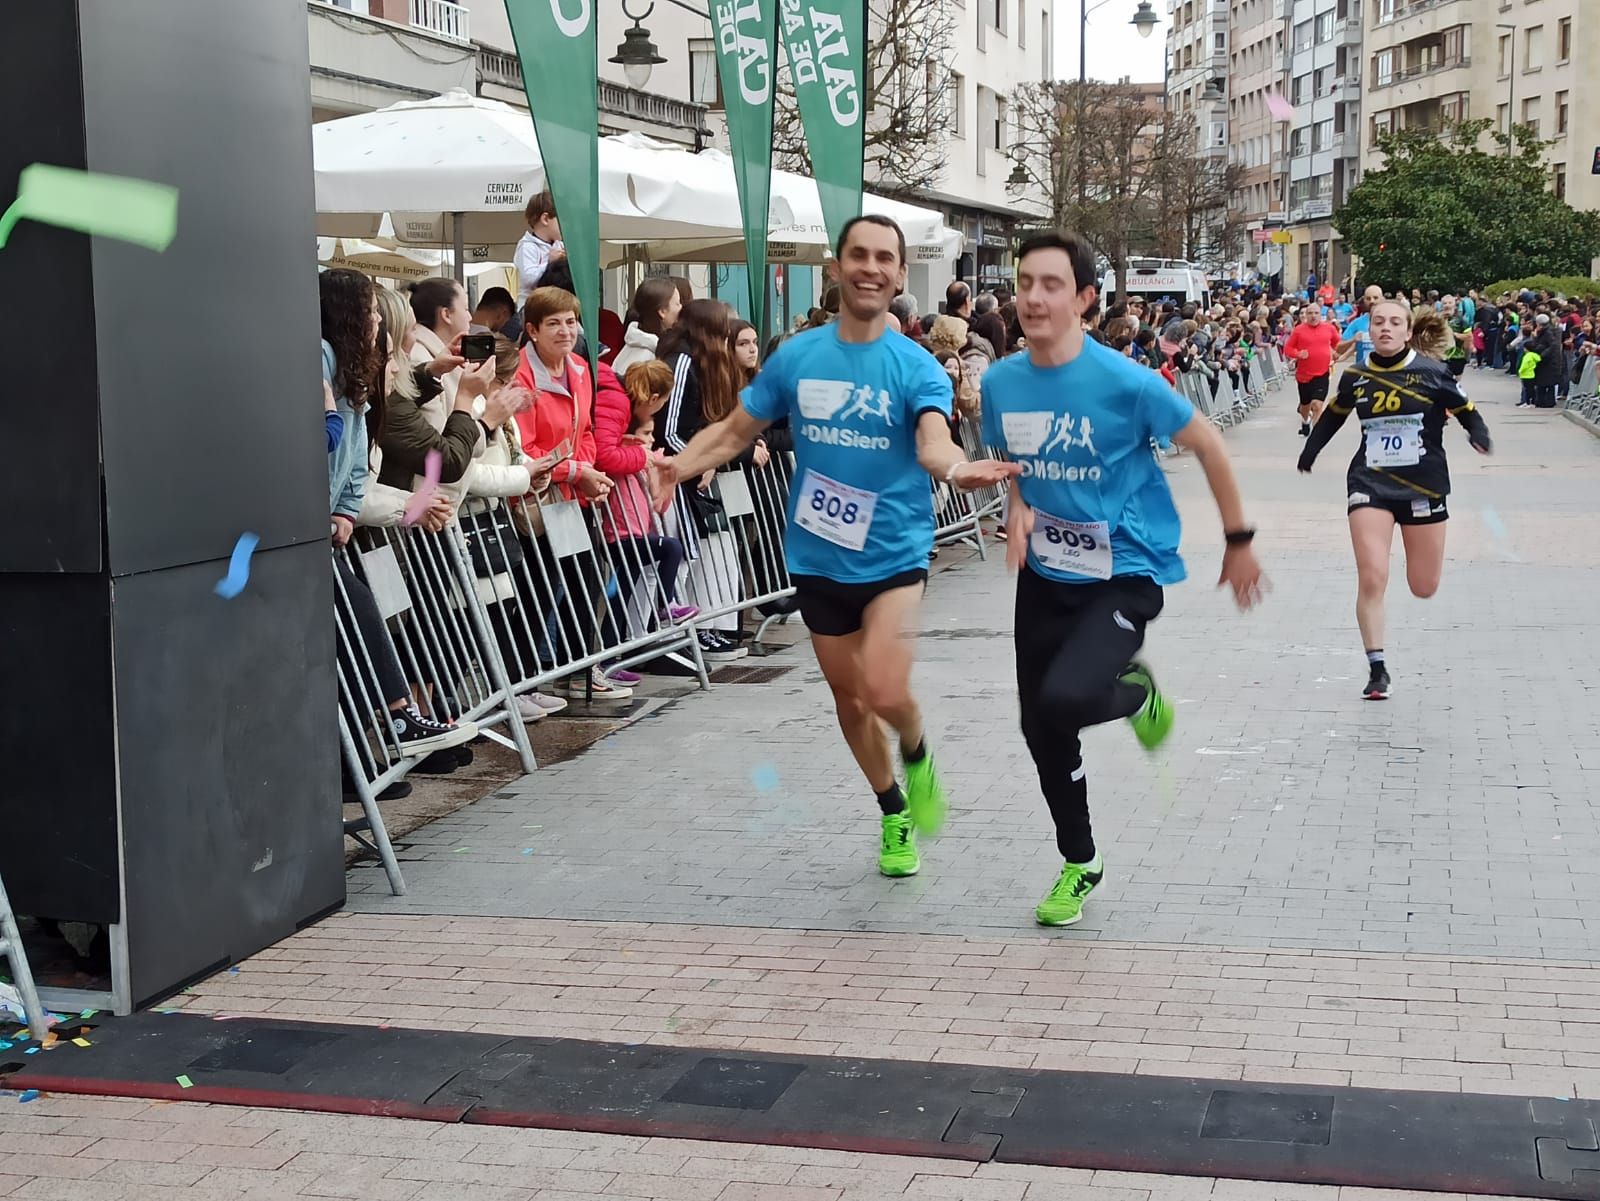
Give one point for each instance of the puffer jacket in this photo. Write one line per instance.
(637, 347)
(558, 416)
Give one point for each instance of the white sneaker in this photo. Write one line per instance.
(529, 709)
(602, 688)
(550, 704)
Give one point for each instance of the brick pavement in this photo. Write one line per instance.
(82, 1149)
(1284, 812)
(1304, 888)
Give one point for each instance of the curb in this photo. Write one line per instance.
(1579, 419)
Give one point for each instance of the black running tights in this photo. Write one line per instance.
(1073, 640)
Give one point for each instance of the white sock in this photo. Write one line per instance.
(1095, 865)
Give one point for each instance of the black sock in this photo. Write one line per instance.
(890, 800)
(914, 754)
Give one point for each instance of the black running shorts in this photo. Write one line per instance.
(834, 610)
(1421, 511)
(1313, 389)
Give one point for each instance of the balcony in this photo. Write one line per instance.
(1419, 70)
(628, 107)
(362, 61)
(1347, 32)
(441, 18)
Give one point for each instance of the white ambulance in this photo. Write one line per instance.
(1153, 279)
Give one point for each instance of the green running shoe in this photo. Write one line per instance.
(898, 854)
(925, 796)
(1152, 722)
(1064, 905)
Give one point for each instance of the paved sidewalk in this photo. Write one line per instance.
(1284, 812)
(1304, 888)
(79, 1149)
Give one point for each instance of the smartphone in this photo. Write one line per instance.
(475, 348)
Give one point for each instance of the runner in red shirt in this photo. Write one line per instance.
(1310, 348)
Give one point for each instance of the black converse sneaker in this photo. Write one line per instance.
(419, 735)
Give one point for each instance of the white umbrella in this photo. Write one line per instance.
(796, 232)
(460, 169)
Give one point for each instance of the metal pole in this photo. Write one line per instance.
(1083, 81)
(460, 249)
(1511, 92)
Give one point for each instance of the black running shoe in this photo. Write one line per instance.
(1378, 685)
(1305, 429)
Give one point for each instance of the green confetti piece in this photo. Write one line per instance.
(185, 1082)
(107, 206)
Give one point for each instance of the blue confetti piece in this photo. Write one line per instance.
(230, 585)
(765, 778)
(31, 1051)
(31, 1094)
(527, 850)
(4, 1046)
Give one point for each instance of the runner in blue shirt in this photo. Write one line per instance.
(870, 412)
(1093, 531)
(1358, 333)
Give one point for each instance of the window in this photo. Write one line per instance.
(985, 120)
(1382, 123)
(1000, 139)
(1385, 11)
(999, 9)
(1530, 113)
(1303, 35)
(1564, 40)
(1502, 118)
(958, 104)
(1451, 44)
(1297, 143)
(1322, 135)
(1505, 55)
(1559, 184)
(1561, 113)
(1219, 134)
(1022, 25)
(1453, 109)
(1298, 92)
(1047, 52)
(1383, 69)
(1533, 48)
(1220, 46)
(1319, 81)
(1325, 27)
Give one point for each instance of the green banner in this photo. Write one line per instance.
(826, 41)
(747, 55)
(556, 45)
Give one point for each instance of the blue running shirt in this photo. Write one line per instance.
(861, 506)
(1082, 433)
(1361, 330)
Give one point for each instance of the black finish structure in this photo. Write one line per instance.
(1504, 1146)
(171, 758)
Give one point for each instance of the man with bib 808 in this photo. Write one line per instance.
(870, 411)
(1093, 534)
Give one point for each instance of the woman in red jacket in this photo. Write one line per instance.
(561, 424)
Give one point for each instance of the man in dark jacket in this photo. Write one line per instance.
(1546, 343)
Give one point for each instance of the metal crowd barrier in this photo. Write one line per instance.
(1226, 405)
(958, 516)
(514, 597)
(1584, 396)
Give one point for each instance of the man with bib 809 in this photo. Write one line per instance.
(1093, 534)
(870, 411)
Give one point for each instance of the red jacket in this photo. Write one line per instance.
(558, 416)
(613, 414)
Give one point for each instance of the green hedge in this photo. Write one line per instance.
(1573, 287)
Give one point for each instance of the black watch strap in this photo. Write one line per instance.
(1240, 537)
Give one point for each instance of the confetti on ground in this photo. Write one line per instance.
(88, 1013)
(230, 585)
(80, 1042)
(458, 850)
(233, 971)
(185, 1082)
(107, 206)
(31, 1094)
(765, 778)
(423, 496)
(31, 1051)
(4, 1046)
(527, 850)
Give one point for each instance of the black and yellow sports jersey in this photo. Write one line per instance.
(1402, 405)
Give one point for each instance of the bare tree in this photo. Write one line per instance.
(909, 57)
(1110, 184)
(1196, 189)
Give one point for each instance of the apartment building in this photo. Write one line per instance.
(1324, 67)
(1197, 74)
(1433, 62)
(1258, 141)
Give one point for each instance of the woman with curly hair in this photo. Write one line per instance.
(351, 369)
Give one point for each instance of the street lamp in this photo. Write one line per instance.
(1511, 85)
(1017, 182)
(1145, 21)
(637, 54)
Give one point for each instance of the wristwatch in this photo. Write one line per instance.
(1240, 537)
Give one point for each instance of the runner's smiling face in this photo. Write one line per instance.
(871, 273)
(1390, 326)
(1050, 302)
